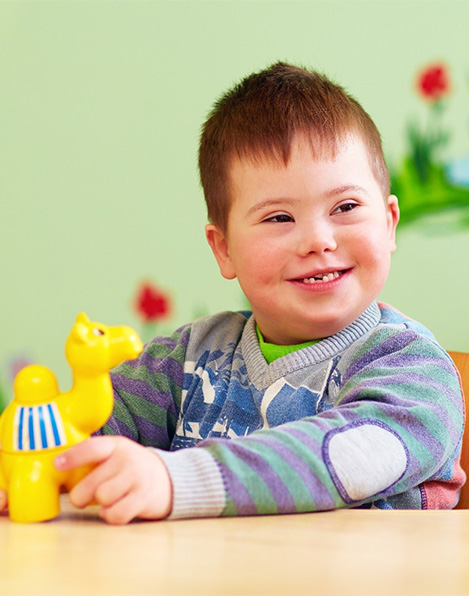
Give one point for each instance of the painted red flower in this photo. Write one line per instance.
(433, 82)
(151, 303)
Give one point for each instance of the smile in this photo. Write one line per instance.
(323, 277)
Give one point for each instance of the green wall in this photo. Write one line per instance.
(101, 106)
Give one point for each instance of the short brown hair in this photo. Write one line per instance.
(259, 117)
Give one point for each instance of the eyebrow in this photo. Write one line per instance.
(346, 188)
(270, 203)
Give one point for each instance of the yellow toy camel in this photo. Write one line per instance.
(41, 422)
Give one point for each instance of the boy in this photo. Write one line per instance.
(319, 398)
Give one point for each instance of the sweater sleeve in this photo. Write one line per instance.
(148, 390)
(397, 423)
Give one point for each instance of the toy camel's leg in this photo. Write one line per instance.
(33, 491)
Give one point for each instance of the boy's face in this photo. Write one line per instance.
(310, 243)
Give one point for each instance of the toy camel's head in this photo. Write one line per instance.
(94, 348)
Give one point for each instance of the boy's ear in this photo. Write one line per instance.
(219, 245)
(393, 219)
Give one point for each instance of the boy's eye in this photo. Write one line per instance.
(345, 208)
(280, 218)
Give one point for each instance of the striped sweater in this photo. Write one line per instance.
(370, 417)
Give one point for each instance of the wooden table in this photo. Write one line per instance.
(343, 553)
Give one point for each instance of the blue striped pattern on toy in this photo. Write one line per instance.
(38, 427)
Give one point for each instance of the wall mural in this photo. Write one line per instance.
(152, 306)
(424, 182)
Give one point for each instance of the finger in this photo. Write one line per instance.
(135, 502)
(122, 511)
(113, 490)
(91, 451)
(87, 490)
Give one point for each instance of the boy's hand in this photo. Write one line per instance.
(128, 481)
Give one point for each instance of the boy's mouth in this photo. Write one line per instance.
(321, 278)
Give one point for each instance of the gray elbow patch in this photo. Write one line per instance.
(364, 458)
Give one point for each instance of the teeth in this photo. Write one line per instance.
(322, 278)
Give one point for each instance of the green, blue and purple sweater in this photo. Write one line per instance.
(371, 416)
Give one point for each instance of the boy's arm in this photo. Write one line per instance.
(147, 392)
(398, 424)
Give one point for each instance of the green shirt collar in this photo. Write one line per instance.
(272, 351)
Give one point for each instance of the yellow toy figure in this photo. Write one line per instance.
(41, 422)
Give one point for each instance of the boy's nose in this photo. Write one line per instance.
(317, 238)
